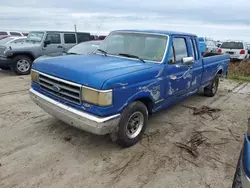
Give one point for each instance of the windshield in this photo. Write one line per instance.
(5, 40)
(144, 46)
(84, 48)
(35, 36)
(232, 45)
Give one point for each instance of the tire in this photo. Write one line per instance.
(21, 65)
(132, 125)
(237, 176)
(211, 89)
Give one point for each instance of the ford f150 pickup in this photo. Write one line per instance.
(132, 74)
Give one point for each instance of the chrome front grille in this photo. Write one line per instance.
(61, 88)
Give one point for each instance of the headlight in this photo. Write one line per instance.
(100, 98)
(34, 76)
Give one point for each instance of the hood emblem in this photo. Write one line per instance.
(56, 88)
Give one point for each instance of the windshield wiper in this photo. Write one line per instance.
(132, 56)
(104, 52)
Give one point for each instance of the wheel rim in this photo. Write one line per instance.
(215, 86)
(23, 65)
(134, 125)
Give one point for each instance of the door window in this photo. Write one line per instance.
(70, 38)
(54, 38)
(171, 59)
(180, 49)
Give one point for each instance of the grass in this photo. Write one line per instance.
(239, 71)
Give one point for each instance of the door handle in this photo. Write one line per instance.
(173, 77)
(59, 46)
(179, 66)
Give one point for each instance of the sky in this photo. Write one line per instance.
(221, 20)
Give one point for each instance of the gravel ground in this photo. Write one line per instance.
(37, 150)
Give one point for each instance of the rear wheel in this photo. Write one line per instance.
(132, 125)
(211, 89)
(21, 65)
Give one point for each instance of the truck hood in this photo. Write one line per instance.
(90, 70)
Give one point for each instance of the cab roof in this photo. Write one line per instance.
(160, 32)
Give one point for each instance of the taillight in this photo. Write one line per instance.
(219, 51)
(242, 52)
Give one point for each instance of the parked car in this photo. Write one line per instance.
(242, 174)
(236, 49)
(131, 75)
(87, 47)
(12, 33)
(20, 56)
(207, 45)
(9, 40)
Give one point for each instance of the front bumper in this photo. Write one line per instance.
(244, 178)
(74, 117)
(245, 163)
(5, 62)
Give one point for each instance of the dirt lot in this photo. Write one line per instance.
(36, 150)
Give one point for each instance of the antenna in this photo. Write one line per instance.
(75, 28)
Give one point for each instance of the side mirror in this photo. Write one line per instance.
(187, 60)
(248, 51)
(46, 43)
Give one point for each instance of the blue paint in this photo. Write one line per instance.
(246, 156)
(131, 79)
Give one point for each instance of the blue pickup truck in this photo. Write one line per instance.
(132, 74)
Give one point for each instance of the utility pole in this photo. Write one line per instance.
(75, 28)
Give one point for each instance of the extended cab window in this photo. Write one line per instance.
(54, 38)
(70, 38)
(180, 49)
(192, 48)
(195, 49)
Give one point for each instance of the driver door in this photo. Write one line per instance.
(55, 44)
(179, 76)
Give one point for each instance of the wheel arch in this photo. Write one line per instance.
(28, 54)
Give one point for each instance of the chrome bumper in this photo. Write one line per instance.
(244, 179)
(74, 117)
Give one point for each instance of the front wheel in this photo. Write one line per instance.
(212, 89)
(21, 65)
(132, 125)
